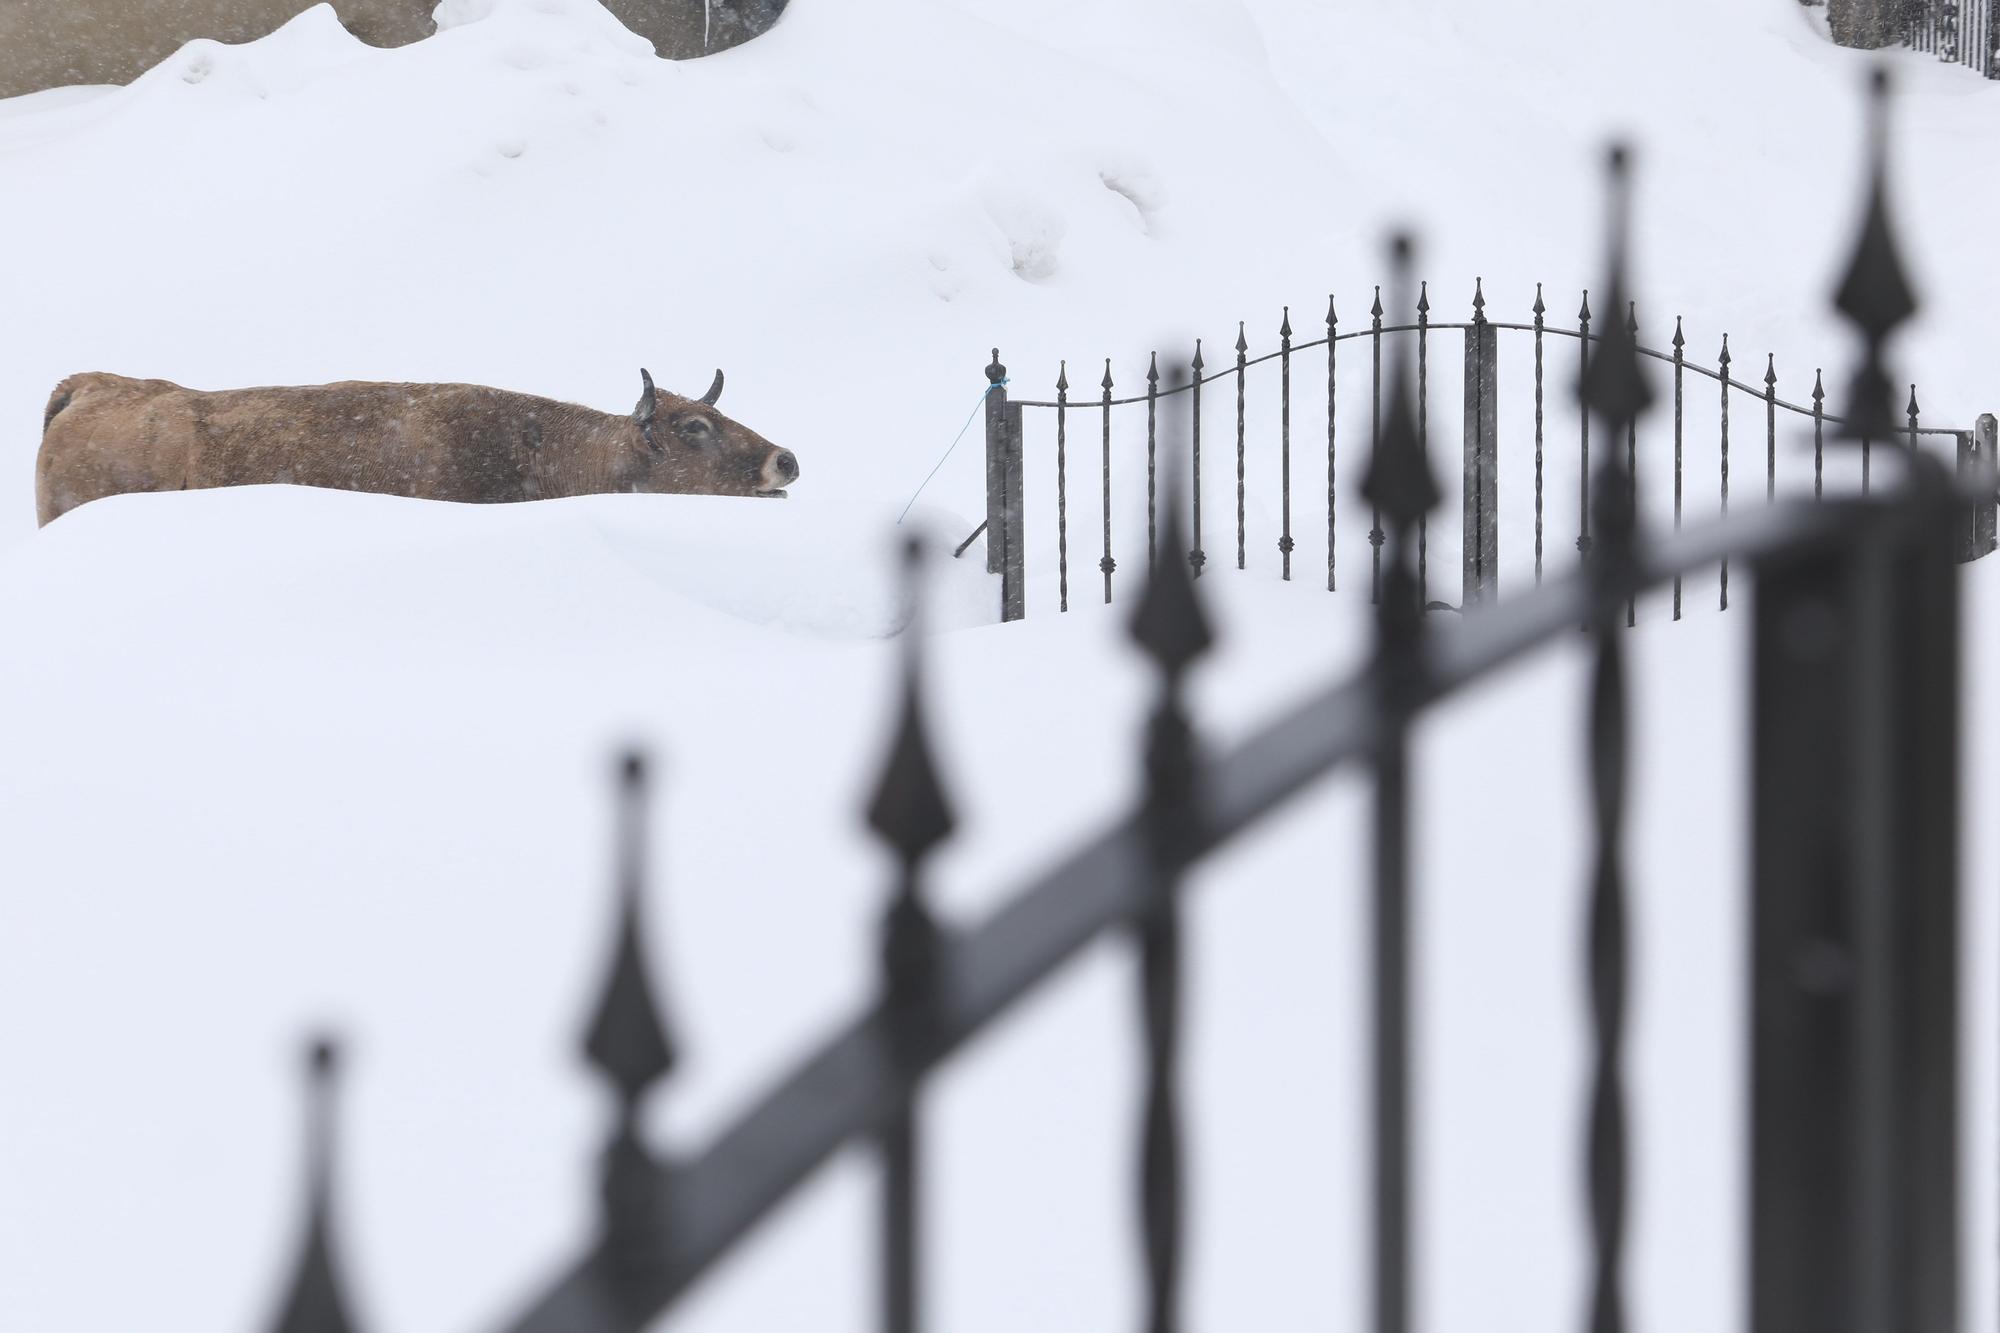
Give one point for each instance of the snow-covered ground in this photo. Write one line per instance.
(274, 759)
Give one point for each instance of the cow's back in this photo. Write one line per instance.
(108, 435)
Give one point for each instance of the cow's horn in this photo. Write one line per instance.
(648, 405)
(714, 390)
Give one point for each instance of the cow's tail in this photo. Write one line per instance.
(58, 401)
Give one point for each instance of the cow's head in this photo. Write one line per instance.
(686, 447)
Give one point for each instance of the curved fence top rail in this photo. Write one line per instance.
(1230, 368)
(852, 1086)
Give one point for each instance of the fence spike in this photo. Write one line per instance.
(1062, 377)
(1615, 384)
(1540, 309)
(315, 1303)
(1153, 369)
(1479, 300)
(1875, 293)
(627, 1039)
(1679, 341)
(1424, 299)
(1399, 481)
(1169, 623)
(1376, 309)
(910, 809)
(1285, 324)
(1242, 344)
(1723, 358)
(1105, 383)
(1332, 316)
(1771, 369)
(1197, 363)
(1583, 311)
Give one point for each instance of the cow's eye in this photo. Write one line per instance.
(695, 428)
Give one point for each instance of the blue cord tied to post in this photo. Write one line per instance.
(953, 445)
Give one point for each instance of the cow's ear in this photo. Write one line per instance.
(714, 390)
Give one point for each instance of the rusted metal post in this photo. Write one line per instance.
(1004, 553)
(1481, 520)
(1979, 467)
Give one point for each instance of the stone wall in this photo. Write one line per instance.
(54, 43)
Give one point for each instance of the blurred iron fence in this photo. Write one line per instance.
(1965, 31)
(1691, 464)
(1854, 1158)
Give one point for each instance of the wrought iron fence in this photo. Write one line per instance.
(1965, 31)
(1854, 1158)
(1480, 523)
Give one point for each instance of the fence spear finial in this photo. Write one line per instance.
(1875, 292)
(315, 1302)
(1399, 482)
(628, 1039)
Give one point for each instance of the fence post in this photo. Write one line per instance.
(1854, 968)
(1004, 553)
(1979, 465)
(1481, 522)
(996, 464)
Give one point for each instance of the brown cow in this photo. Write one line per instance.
(108, 435)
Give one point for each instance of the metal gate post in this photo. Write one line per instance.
(1013, 574)
(996, 463)
(1979, 465)
(1854, 920)
(1481, 532)
(1004, 555)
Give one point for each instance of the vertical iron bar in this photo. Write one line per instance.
(1680, 365)
(1632, 458)
(911, 814)
(1375, 432)
(1285, 439)
(1770, 427)
(1152, 471)
(1171, 628)
(1107, 564)
(1332, 403)
(1724, 361)
(1423, 435)
(1819, 434)
(1540, 310)
(1392, 1036)
(1608, 987)
(1242, 351)
(1583, 471)
(1062, 485)
(1196, 556)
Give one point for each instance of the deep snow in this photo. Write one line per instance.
(271, 759)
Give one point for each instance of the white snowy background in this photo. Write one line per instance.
(275, 760)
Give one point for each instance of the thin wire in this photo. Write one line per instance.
(947, 453)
